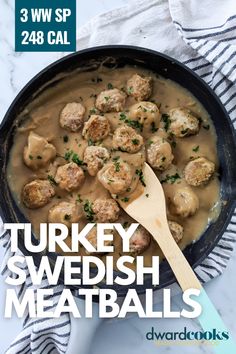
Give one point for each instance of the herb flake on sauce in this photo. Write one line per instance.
(141, 177)
(171, 179)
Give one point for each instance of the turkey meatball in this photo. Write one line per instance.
(70, 177)
(39, 152)
(127, 139)
(116, 176)
(199, 171)
(184, 202)
(37, 193)
(96, 128)
(139, 241)
(95, 157)
(111, 101)
(159, 153)
(139, 87)
(92, 238)
(183, 122)
(72, 116)
(105, 210)
(64, 213)
(148, 116)
(176, 230)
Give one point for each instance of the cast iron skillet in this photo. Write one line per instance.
(167, 67)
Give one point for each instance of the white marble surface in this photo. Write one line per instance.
(126, 336)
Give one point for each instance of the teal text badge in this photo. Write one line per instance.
(45, 25)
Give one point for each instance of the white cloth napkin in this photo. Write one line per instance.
(204, 38)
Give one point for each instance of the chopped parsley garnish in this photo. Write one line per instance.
(196, 149)
(68, 155)
(131, 123)
(184, 131)
(67, 217)
(71, 155)
(76, 159)
(116, 158)
(107, 98)
(65, 138)
(125, 199)
(88, 209)
(93, 111)
(52, 180)
(123, 116)
(90, 142)
(174, 144)
(207, 126)
(150, 142)
(117, 166)
(109, 86)
(31, 157)
(166, 119)
(79, 200)
(130, 90)
(128, 190)
(146, 195)
(125, 224)
(153, 127)
(171, 179)
(141, 177)
(134, 124)
(135, 141)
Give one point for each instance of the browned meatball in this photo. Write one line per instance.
(92, 238)
(159, 153)
(127, 139)
(70, 177)
(139, 87)
(39, 152)
(176, 230)
(116, 176)
(64, 213)
(37, 193)
(106, 210)
(147, 115)
(139, 241)
(72, 116)
(183, 122)
(96, 128)
(184, 202)
(199, 171)
(111, 101)
(95, 157)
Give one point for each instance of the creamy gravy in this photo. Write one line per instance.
(43, 118)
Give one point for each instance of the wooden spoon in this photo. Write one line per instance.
(151, 213)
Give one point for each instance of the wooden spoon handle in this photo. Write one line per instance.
(179, 265)
(209, 319)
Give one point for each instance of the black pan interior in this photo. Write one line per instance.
(163, 65)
